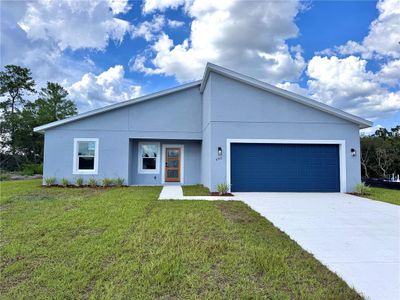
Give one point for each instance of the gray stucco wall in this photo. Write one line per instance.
(192, 163)
(239, 111)
(173, 117)
(59, 150)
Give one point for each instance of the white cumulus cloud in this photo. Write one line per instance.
(347, 84)
(119, 6)
(248, 36)
(75, 24)
(390, 73)
(109, 87)
(29, 39)
(175, 23)
(152, 5)
(148, 29)
(384, 34)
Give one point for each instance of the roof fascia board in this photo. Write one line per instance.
(281, 92)
(107, 108)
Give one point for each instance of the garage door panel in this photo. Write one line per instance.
(285, 168)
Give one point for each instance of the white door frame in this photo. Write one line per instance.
(342, 153)
(182, 162)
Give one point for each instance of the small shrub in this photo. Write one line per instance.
(39, 169)
(28, 170)
(223, 188)
(107, 182)
(92, 182)
(119, 181)
(4, 177)
(32, 169)
(79, 181)
(50, 181)
(64, 182)
(363, 189)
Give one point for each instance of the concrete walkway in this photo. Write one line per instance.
(357, 238)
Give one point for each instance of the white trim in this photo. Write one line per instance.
(342, 153)
(182, 162)
(117, 105)
(363, 123)
(75, 166)
(140, 161)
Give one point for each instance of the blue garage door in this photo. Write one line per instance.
(285, 168)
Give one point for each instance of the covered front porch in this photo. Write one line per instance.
(164, 162)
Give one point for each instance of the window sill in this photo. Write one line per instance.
(81, 172)
(148, 172)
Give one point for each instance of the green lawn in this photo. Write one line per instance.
(385, 195)
(195, 190)
(123, 243)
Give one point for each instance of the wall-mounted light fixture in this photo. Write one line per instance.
(353, 152)
(219, 151)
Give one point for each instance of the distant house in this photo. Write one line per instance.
(227, 127)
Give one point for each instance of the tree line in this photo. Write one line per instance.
(23, 107)
(380, 153)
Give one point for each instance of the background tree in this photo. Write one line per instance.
(367, 151)
(19, 144)
(380, 153)
(15, 83)
(385, 158)
(53, 105)
(27, 142)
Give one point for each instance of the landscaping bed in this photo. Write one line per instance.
(123, 243)
(200, 190)
(220, 194)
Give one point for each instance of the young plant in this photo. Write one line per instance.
(92, 182)
(64, 182)
(363, 189)
(222, 188)
(49, 181)
(119, 181)
(79, 181)
(107, 181)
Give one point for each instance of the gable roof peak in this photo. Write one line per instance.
(210, 67)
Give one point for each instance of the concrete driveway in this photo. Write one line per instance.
(357, 238)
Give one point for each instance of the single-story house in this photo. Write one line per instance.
(225, 128)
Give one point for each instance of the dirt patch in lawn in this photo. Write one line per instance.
(235, 213)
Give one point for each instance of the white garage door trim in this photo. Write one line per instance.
(342, 153)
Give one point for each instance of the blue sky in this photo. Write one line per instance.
(343, 53)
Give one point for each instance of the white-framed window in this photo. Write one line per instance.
(86, 155)
(149, 158)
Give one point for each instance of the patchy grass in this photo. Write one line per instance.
(384, 195)
(123, 243)
(195, 190)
